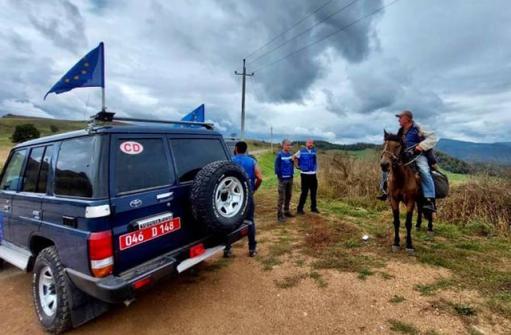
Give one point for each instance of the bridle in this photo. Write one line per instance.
(395, 159)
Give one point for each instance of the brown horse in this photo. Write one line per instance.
(403, 186)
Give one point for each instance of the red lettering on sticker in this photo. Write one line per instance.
(131, 147)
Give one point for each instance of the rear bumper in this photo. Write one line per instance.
(117, 289)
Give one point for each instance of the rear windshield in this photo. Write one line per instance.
(81, 167)
(142, 164)
(191, 155)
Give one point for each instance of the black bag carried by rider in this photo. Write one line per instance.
(441, 184)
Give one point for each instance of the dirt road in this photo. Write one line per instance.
(241, 296)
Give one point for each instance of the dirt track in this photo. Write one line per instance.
(238, 297)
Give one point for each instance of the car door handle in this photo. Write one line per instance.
(36, 215)
(7, 208)
(165, 196)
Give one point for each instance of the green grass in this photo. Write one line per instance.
(431, 289)
(403, 327)
(397, 299)
(457, 178)
(318, 278)
(8, 124)
(364, 273)
(269, 262)
(464, 310)
(290, 281)
(266, 163)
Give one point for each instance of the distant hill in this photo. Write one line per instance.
(45, 125)
(486, 153)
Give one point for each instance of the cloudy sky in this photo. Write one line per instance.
(447, 61)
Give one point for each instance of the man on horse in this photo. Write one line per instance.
(419, 142)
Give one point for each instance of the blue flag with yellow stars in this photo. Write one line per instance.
(88, 72)
(196, 116)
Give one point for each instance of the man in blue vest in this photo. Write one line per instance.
(284, 169)
(421, 142)
(256, 178)
(306, 161)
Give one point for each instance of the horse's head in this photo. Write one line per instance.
(392, 146)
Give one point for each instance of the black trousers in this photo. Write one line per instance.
(309, 182)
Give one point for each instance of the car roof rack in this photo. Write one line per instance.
(105, 116)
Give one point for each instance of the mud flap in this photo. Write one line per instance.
(84, 307)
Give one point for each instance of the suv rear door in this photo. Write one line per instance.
(146, 221)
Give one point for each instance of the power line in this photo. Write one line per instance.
(304, 31)
(294, 25)
(327, 36)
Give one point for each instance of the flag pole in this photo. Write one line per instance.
(103, 106)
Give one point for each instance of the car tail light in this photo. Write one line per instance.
(101, 253)
(142, 282)
(197, 250)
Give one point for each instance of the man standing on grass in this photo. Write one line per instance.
(284, 169)
(306, 161)
(256, 178)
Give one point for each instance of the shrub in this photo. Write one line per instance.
(25, 132)
(478, 203)
(54, 128)
(347, 177)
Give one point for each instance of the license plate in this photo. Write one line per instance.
(140, 236)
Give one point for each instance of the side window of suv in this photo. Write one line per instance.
(13, 171)
(79, 170)
(142, 164)
(192, 154)
(36, 172)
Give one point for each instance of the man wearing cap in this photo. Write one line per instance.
(306, 161)
(421, 142)
(284, 169)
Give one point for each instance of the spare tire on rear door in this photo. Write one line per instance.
(220, 195)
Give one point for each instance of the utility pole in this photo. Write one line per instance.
(244, 74)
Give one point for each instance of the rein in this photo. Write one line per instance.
(396, 160)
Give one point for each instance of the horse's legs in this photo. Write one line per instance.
(395, 213)
(419, 215)
(409, 217)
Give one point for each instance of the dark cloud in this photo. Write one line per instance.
(290, 79)
(65, 27)
(165, 58)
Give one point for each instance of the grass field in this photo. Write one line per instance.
(8, 124)
(477, 257)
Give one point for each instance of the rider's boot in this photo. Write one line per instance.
(429, 205)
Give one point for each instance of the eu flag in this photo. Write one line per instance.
(88, 72)
(196, 116)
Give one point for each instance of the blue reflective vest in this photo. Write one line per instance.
(284, 167)
(307, 160)
(248, 164)
(412, 137)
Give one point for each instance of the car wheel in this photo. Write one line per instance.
(220, 195)
(51, 292)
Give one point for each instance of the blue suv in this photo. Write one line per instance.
(101, 213)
